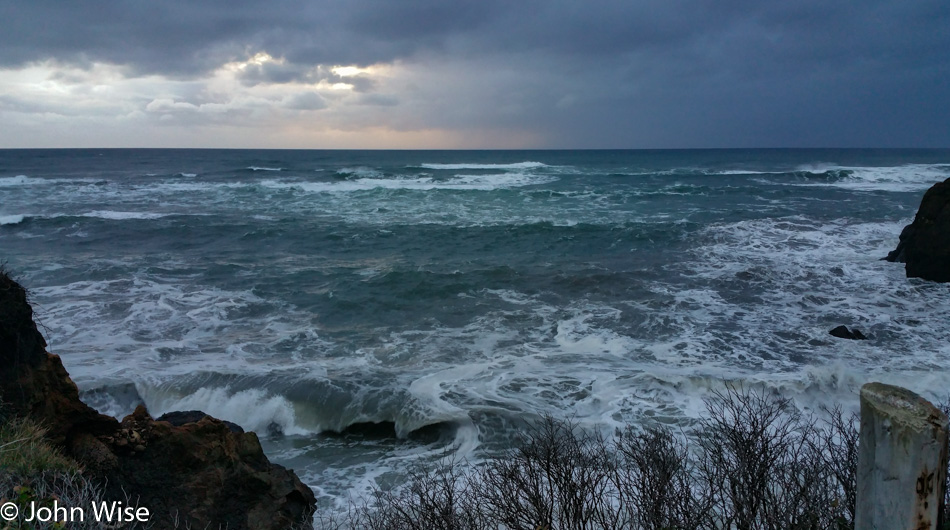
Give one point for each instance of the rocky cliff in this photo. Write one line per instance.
(925, 244)
(198, 474)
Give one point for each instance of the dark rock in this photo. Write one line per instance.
(202, 472)
(899, 254)
(842, 332)
(198, 474)
(95, 454)
(274, 430)
(924, 245)
(33, 382)
(179, 418)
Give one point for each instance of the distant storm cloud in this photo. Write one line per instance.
(186, 38)
(306, 101)
(671, 73)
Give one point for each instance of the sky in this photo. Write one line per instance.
(453, 74)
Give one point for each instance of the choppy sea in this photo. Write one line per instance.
(367, 311)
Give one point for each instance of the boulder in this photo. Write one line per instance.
(842, 332)
(191, 472)
(924, 245)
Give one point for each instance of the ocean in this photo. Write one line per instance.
(369, 311)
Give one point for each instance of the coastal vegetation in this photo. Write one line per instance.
(753, 462)
(36, 475)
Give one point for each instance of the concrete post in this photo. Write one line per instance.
(902, 460)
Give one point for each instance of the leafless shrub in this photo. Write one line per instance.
(837, 443)
(944, 522)
(437, 499)
(655, 481)
(758, 465)
(755, 463)
(560, 477)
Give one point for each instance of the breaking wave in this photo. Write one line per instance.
(460, 182)
(121, 216)
(11, 219)
(906, 178)
(518, 165)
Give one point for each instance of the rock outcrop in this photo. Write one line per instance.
(198, 473)
(924, 245)
(201, 472)
(33, 382)
(842, 332)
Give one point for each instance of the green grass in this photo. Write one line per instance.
(25, 451)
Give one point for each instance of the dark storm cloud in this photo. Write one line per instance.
(306, 101)
(185, 37)
(681, 70)
(272, 72)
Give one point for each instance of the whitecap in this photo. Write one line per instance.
(518, 165)
(460, 182)
(252, 409)
(905, 178)
(745, 172)
(120, 216)
(11, 219)
(24, 180)
(361, 172)
(258, 168)
(21, 180)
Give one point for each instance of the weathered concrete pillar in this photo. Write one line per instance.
(902, 460)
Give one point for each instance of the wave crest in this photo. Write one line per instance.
(11, 219)
(517, 165)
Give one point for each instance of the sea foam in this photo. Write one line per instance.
(121, 216)
(905, 178)
(517, 165)
(460, 182)
(468, 299)
(21, 180)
